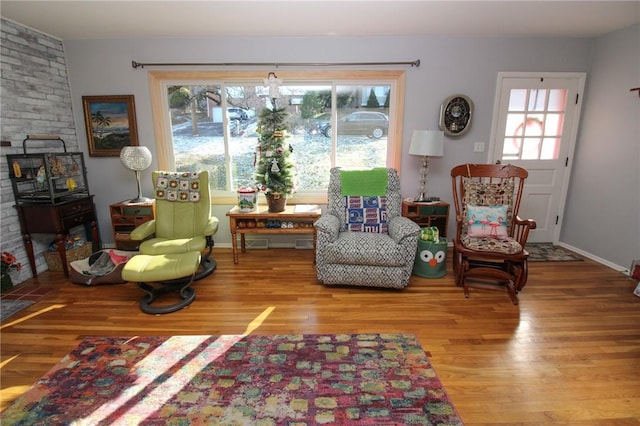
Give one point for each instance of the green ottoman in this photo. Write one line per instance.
(169, 273)
(431, 259)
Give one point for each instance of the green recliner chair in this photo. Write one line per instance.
(182, 231)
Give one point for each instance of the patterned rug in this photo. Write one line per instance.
(547, 252)
(10, 307)
(358, 379)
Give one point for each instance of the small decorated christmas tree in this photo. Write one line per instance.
(275, 174)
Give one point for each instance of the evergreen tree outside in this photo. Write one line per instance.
(372, 102)
(275, 171)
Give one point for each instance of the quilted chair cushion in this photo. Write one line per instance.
(507, 245)
(362, 258)
(490, 194)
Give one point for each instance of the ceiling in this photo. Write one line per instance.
(94, 19)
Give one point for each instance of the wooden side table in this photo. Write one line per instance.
(257, 222)
(47, 218)
(125, 217)
(428, 214)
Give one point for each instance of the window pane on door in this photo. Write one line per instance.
(534, 134)
(517, 99)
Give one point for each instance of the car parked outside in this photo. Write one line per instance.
(370, 123)
(237, 114)
(313, 125)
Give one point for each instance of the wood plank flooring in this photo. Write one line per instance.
(568, 354)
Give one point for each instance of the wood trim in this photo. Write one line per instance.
(396, 78)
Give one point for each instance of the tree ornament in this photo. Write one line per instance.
(273, 82)
(274, 166)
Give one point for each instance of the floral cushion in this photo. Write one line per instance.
(498, 196)
(488, 194)
(366, 214)
(176, 186)
(507, 245)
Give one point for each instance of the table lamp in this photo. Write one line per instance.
(136, 158)
(427, 143)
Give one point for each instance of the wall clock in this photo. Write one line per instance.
(455, 115)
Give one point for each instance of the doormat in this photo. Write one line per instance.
(373, 379)
(547, 252)
(10, 307)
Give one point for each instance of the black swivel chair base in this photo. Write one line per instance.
(182, 286)
(184, 290)
(207, 266)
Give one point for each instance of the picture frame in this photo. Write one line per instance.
(111, 124)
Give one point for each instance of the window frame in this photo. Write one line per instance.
(159, 80)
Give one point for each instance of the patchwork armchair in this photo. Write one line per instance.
(363, 239)
(489, 246)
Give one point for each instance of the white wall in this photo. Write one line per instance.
(448, 66)
(602, 215)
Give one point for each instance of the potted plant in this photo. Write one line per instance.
(275, 172)
(9, 264)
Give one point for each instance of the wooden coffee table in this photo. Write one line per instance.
(302, 218)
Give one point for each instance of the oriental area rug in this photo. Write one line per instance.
(316, 379)
(547, 252)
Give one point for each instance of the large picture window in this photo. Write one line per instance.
(209, 120)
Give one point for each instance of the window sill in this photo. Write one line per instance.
(228, 199)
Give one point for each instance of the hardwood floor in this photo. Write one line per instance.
(568, 354)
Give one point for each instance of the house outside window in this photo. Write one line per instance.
(351, 120)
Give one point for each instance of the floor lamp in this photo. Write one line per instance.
(427, 143)
(136, 158)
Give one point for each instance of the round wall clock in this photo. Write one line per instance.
(455, 115)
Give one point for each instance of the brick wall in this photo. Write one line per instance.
(36, 99)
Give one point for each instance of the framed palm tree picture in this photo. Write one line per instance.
(110, 123)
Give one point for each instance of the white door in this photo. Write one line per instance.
(535, 126)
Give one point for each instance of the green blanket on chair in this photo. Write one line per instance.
(364, 182)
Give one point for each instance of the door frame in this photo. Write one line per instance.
(572, 141)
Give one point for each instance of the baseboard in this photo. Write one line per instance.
(304, 244)
(595, 258)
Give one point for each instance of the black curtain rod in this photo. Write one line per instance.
(136, 65)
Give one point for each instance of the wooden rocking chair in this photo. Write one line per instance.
(488, 249)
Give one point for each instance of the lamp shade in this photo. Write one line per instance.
(427, 143)
(136, 158)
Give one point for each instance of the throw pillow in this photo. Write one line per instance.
(487, 221)
(366, 214)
